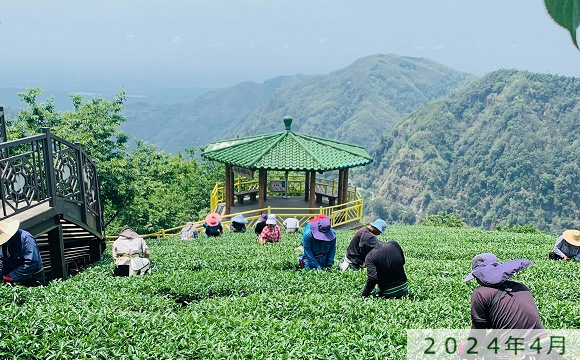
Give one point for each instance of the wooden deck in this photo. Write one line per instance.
(30, 213)
(292, 202)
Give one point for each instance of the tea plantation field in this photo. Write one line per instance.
(230, 298)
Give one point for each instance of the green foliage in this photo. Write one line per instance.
(94, 125)
(145, 189)
(522, 229)
(503, 150)
(37, 116)
(447, 220)
(391, 213)
(230, 298)
(169, 190)
(567, 14)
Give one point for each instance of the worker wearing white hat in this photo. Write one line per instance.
(20, 257)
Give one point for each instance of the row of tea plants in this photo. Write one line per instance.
(230, 298)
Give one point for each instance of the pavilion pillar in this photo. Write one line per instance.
(229, 189)
(307, 186)
(232, 186)
(340, 186)
(311, 190)
(262, 188)
(345, 186)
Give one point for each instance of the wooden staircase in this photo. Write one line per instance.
(77, 251)
(52, 187)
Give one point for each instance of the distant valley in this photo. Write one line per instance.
(354, 104)
(500, 150)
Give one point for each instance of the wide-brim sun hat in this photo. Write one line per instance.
(380, 225)
(240, 219)
(321, 230)
(213, 219)
(487, 269)
(271, 220)
(263, 217)
(572, 237)
(7, 229)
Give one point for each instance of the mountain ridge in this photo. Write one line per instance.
(353, 104)
(503, 151)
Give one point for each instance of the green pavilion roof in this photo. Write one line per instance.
(287, 150)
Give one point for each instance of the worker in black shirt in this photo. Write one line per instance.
(261, 224)
(385, 268)
(361, 244)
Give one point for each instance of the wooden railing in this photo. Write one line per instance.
(44, 169)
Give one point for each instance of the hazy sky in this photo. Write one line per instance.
(218, 43)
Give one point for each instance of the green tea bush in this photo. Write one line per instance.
(230, 298)
(441, 219)
(522, 229)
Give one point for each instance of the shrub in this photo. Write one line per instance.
(447, 220)
(522, 229)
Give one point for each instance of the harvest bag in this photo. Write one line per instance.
(139, 266)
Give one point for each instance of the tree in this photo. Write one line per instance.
(169, 189)
(37, 116)
(146, 189)
(95, 125)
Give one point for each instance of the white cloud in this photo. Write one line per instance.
(286, 46)
(419, 47)
(322, 41)
(130, 37)
(437, 47)
(177, 40)
(215, 45)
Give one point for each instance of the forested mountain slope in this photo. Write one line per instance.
(504, 151)
(203, 120)
(356, 103)
(353, 104)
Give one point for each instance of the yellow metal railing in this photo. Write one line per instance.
(295, 188)
(338, 214)
(216, 196)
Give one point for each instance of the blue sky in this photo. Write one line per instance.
(215, 43)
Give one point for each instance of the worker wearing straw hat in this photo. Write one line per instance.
(213, 226)
(19, 255)
(567, 246)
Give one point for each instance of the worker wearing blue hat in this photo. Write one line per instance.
(361, 244)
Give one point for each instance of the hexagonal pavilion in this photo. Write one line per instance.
(286, 151)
